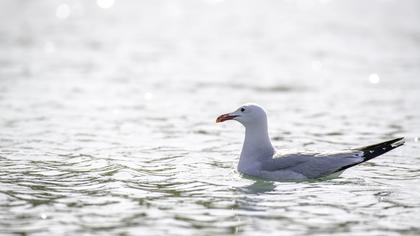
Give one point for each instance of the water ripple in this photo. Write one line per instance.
(112, 132)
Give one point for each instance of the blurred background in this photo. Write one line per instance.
(107, 112)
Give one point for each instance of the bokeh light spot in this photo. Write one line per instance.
(316, 65)
(105, 4)
(148, 96)
(374, 78)
(63, 11)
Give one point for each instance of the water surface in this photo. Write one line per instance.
(107, 115)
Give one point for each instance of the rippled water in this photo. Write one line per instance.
(107, 115)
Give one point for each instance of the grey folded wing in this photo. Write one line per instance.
(314, 165)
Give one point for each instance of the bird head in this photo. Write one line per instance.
(247, 114)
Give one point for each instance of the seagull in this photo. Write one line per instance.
(259, 158)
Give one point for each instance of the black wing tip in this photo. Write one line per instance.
(375, 150)
(378, 149)
(398, 142)
(394, 142)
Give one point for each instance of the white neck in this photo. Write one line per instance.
(257, 146)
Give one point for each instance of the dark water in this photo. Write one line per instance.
(107, 115)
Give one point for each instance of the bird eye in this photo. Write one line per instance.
(242, 109)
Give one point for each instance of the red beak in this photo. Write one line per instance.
(224, 117)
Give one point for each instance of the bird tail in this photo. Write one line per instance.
(375, 150)
(378, 149)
